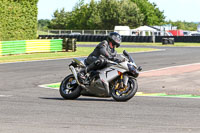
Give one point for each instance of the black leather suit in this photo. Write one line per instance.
(97, 59)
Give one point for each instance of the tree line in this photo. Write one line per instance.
(105, 14)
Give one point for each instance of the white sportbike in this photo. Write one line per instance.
(117, 80)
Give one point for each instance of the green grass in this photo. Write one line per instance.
(148, 44)
(81, 51)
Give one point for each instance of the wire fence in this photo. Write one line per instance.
(74, 32)
(103, 32)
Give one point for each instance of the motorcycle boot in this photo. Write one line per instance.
(82, 74)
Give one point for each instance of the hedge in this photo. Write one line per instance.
(18, 19)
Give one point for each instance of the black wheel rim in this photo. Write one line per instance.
(120, 93)
(69, 85)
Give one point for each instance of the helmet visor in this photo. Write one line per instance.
(117, 39)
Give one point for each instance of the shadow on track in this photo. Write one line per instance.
(51, 98)
(95, 99)
(79, 99)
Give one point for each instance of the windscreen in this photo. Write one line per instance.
(128, 56)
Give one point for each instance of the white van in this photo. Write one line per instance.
(123, 30)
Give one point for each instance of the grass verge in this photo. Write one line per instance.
(148, 44)
(81, 51)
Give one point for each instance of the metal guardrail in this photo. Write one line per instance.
(74, 32)
(100, 32)
(98, 38)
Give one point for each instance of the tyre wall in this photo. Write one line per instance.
(148, 39)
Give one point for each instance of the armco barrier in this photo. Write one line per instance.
(186, 39)
(30, 46)
(98, 38)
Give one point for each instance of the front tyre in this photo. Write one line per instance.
(126, 93)
(69, 89)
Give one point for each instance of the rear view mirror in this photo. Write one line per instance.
(125, 53)
(139, 68)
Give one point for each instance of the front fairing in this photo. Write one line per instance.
(131, 65)
(130, 60)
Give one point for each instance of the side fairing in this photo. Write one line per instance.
(108, 74)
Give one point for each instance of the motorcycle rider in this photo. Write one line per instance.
(104, 51)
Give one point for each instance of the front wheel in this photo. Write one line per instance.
(69, 89)
(126, 93)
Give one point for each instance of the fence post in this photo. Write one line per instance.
(153, 37)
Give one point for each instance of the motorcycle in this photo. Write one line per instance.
(116, 80)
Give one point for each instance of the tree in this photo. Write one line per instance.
(79, 17)
(119, 12)
(130, 14)
(105, 14)
(159, 15)
(184, 25)
(60, 19)
(94, 22)
(152, 14)
(109, 13)
(43, 23)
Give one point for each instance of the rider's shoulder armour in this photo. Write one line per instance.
(102, 44)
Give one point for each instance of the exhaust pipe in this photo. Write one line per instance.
(76, 77)
(74, 73)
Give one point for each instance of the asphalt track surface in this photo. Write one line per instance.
(25, 107)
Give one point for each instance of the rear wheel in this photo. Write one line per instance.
(126, 93)
(69, 89)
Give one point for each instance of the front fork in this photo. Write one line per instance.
(123, 80)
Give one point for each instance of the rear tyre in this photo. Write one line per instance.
(69, 89)
(123, 95)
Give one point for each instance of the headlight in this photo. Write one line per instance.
(131, 68)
